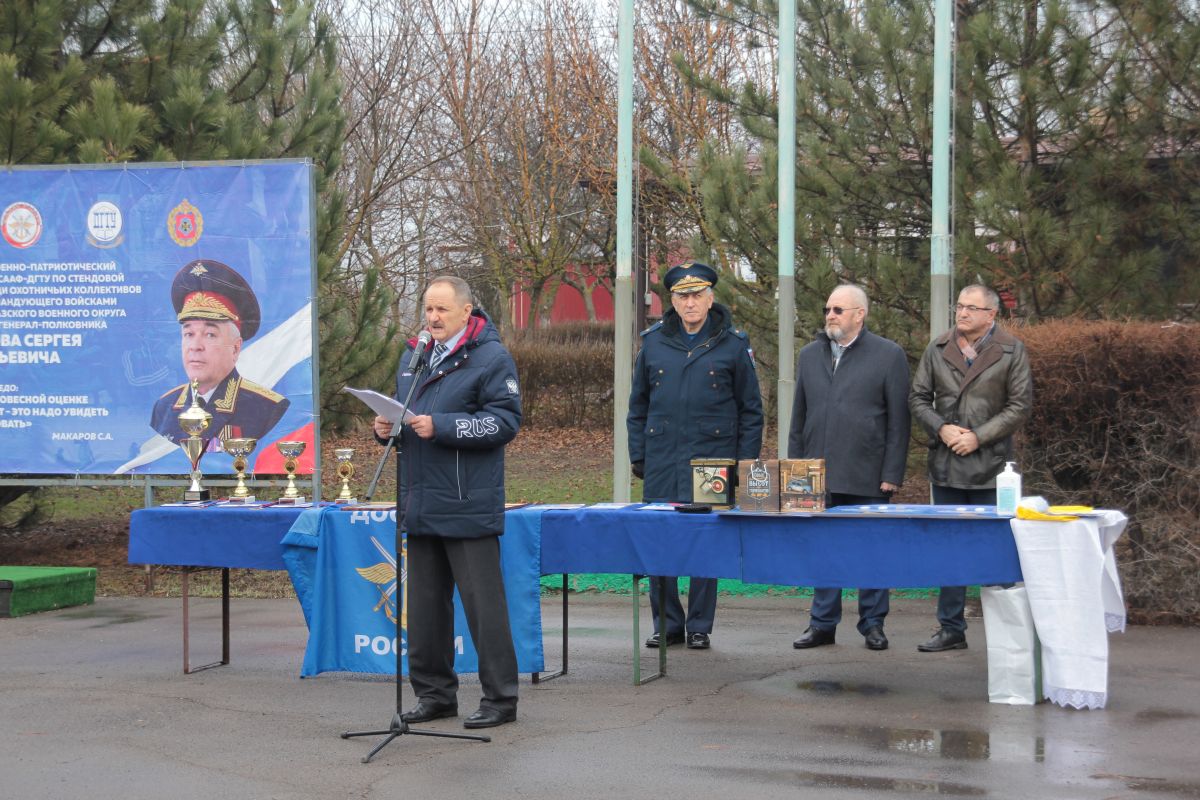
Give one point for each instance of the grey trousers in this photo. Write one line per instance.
(435, 566)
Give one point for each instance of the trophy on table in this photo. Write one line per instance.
(239, 447)
(290, 450)
(194, 421)
(345, 469)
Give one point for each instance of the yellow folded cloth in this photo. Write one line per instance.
(1052, 514)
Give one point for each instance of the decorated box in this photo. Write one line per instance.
(758, 485)
(801, 485)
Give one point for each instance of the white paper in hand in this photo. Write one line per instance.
(382, 405)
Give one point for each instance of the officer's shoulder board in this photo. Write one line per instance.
(652, 328)
(261, 391)
(739, 333)
(180, 390)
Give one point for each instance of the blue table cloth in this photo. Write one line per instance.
(216, 536)
(911, 546)
(343, 566)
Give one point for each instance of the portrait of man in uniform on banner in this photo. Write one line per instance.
(217, 313)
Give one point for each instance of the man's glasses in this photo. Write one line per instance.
(972, 309)
(838, 310)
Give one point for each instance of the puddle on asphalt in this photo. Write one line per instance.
(1158, 786)
(829, 688)
(953, 744)
(883, 784)
(107, 616)
(833, 780)
(1163, 715)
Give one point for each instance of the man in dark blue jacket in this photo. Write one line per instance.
(851, 409)
(450, 475)
(695, 395)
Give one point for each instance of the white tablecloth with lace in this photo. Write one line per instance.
(1075, 596)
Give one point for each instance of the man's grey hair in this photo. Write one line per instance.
(462, 290)
(860, 296)
(993, 299)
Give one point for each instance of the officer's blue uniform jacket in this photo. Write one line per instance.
(239, 408)
(697, 399)
(453, 484)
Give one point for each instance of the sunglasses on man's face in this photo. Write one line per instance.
(838, 310)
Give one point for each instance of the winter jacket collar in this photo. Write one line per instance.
(825, 341)
(715, 325)
(1000, 342)
(479, 330)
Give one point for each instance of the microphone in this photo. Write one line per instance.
(423, 340)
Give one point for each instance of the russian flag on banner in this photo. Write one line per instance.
(270, 462)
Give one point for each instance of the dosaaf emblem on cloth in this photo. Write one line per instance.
(185, 224)
(383, 575)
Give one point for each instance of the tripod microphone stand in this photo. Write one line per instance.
(397, 726)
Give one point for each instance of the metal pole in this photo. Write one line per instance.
(623, 299)
(787, 220)
(940, 276)
(316, 336)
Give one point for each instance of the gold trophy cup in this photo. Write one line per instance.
(194, 421)
(290, 451)
(345, 470)
(240, 447)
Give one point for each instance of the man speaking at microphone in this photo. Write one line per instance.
(450, 502)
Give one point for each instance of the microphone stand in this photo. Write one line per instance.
(397, 726)
(416, 368)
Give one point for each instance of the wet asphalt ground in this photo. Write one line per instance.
(93, 703)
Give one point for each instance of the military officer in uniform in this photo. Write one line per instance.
(217, 311)
(695, 395)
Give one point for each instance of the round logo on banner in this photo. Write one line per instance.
(21, 225)
(185, 224)
(104, 224)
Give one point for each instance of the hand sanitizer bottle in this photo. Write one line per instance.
(1008, 491)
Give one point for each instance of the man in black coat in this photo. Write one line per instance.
(695, 395)
(467, 407)
(851, 409)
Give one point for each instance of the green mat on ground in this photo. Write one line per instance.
(27, 590)
(620, 584)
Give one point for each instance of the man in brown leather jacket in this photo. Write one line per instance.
(971, 392)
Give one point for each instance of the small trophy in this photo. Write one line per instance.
(345, 470)
(239, 448)
(194, 421)
(290, 451)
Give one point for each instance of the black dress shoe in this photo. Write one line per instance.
(487, 717)
(875, 638)
(672, 638)
(697, 641)
(944, 639)
(427, 710)
(814, 637)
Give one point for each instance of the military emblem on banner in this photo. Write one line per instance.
(21, 225)
(185, 224)
(383, 575)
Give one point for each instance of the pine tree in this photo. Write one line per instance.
(137, 80)
(1064, 194)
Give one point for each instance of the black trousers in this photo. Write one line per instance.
(873, 604)
(952, 600)
(435, 566)
(701, 610)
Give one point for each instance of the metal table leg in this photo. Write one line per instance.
(185, 590)
(638, 680)
(538, 678)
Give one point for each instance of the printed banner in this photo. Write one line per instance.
(343, 566)
(121, 287)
